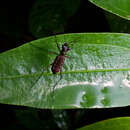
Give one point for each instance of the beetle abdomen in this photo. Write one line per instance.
(57, 64)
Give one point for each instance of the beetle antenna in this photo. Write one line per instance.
(64, 33)
(64, 36)
(73, 42)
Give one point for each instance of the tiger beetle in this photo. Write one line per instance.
(60, 58)
(57, 64)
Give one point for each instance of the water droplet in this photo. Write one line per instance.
(104, 90)
(105, 102)
(89, 98)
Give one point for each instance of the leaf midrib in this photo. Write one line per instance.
(66, 72)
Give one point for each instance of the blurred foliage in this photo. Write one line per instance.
(110, 124)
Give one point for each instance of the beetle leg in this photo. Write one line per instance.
(58, 80)
(41, 49)
(53, 89)
(60, 73)
(38, 78)
(67, 56)
(52, 52)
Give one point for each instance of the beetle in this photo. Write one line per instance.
(60, 59)
(58, 62)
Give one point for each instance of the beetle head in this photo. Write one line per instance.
(65, 47)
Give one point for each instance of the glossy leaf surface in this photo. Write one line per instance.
(118, 7)
(96, 74)
(122, 123)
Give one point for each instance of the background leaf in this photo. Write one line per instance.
(50, 16)
(113, 124)
(121, 26)
(97, 75)
(118, 7)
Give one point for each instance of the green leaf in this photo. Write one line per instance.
(96, 75)
(50, 16)
(118, 7)
(121, 26)
(122, 123)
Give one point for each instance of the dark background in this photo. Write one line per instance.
(15, 26)
(14, 31)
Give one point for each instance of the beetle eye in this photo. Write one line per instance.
(65, 48)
